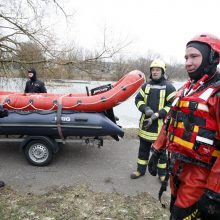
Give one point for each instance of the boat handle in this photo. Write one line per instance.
(81, 119)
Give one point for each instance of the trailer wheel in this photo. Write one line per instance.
(38, 152)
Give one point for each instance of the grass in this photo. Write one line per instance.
(79, 202)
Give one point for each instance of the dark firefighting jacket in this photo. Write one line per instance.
(158, 95)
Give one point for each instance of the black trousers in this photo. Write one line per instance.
(191, 212)
(143, 157)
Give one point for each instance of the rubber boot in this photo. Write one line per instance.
(136, 175)
(141, 170)
(2, 184)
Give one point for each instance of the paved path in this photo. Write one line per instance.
(107, 169)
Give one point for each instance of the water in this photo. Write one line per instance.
(126, 112)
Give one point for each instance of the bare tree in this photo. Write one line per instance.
(21, 21)
(22, 24)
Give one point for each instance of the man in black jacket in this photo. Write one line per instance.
(33, 85)
(153, 101)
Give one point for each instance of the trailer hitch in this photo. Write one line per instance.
(96, 141)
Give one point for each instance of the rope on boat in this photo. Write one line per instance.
(18, 108)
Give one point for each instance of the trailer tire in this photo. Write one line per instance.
(38, 152)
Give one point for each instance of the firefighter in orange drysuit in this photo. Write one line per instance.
(192, 136)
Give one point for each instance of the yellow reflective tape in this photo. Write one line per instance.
(150, 138)
(182, 142)
(162, 99)
(191, 215)
(142, 162)
(181, 125)
(142, 93)
(216, 153)
(160, 124)
(140, 103)
(167, 109)
(147, 89)
(147, 137)
(201, 106)
(141, 121)
(184, 104)
(161, 165)
(171, 95)
(152, 134)
(189, 145)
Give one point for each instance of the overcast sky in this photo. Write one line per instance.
(160, 26)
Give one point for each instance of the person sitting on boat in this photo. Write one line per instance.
(153, 101)
(3, 113)
(33, 85)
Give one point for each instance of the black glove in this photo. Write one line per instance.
(3, 112)
(152, 165)
(150, 120)
(208, 204)
(148, 112)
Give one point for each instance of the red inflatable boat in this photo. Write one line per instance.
(98, 100)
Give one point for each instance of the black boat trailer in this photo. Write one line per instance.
(39, 150)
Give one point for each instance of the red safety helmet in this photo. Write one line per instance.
(211, 40)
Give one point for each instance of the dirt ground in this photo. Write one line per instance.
(72, 199)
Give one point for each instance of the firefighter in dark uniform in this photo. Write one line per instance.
(3, 113)
(153, 101)
(33, 85)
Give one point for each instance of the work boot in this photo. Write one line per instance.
(2, 184)
(161, 178)
(162, 167)
(136, 175)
